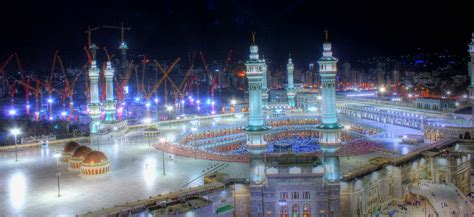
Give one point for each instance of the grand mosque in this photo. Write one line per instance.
(347, 157)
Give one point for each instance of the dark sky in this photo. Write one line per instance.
(166, 29)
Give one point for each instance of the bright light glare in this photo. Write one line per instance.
(15, 131)
(17, 190)
(147, 120)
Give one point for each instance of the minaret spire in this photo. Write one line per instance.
(256, 129)
(253, 38)
(470, 67)
(290, 91)
(326, 35)
(329, 128)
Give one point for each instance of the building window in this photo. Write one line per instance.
(283, 195)
(295, 195)
(306, 195)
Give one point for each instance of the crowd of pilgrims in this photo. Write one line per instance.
(289, 140)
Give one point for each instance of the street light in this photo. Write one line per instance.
(97, 135)
(57, 155)
(15, 132)
(162, 141)
(232, 103)
(148, 121)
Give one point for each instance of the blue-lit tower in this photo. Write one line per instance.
(329, 138)
(264, 84)
(290, 90)
(110, 102)
(470, 67)
(94, 104)
(256, 128)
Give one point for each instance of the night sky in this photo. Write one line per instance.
(167, 29)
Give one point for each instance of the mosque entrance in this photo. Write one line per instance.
(306, 210)
(284, 211)
(295, 210)
(442, 179)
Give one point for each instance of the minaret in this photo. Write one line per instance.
(256, 129)
(264, 84)
(109, 94)
(94, 104)
(470, 67)
(123, 51)
(290, 90)
(329, 129)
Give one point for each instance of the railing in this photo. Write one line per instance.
(36, 144)
(131, 207)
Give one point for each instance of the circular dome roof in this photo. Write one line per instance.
(70, 146)
(95, 157)
(81, 151)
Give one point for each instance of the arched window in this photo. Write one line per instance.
(284, 211)
(306, 210)
(295, 210)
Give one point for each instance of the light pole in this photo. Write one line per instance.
(98, 135)
(382, 91)
(57, 155)
(148, 121)
(15, 132)
(162, 141)
(233, 102)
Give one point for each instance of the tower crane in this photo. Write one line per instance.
(2, 72)
(213, 81)
(92, 47)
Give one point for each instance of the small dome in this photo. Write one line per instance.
(95, 157)
(70, 146)
(81, 152)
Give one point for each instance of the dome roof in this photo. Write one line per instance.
(70, 146)
(81, 152)
(95, 157)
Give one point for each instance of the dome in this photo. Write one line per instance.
(94, 163)
(70, 146)
(81, 152)
(94, 158)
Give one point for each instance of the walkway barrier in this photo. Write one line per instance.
(139, 205)
(37, 144)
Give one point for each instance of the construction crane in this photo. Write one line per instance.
(2, 72)
(69, 89)
(122, 31)
(120, 88)
(175, 88)
(48, 84)
(213, 82)
(123, 45)
(148, 92)
(187, 82)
